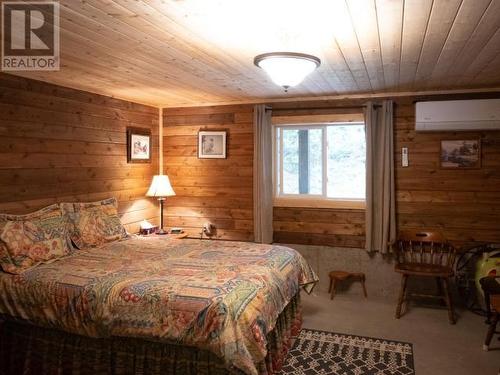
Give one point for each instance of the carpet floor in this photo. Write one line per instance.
(320, 352)
(439, 348)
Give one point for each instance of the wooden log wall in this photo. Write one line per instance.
(215, 190)
(59, 144)
(319, 226)
(463, 204)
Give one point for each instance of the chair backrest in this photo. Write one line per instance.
(424, 247)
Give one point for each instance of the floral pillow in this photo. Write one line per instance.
(28, 240)
(93, 224)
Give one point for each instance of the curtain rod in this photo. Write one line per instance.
(318, 108)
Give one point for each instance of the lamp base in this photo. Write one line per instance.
(161, 231)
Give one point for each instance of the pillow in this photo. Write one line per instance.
(28, 240)
(95, 223)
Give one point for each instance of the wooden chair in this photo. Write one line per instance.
(425, 254)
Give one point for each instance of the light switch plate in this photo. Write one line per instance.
(404, 156)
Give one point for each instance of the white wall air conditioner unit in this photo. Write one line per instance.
(458, 115)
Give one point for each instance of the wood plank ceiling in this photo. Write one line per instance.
(193, 52)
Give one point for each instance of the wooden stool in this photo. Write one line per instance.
(343, 275)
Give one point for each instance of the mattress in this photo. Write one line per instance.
(219, 296)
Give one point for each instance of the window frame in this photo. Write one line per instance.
(282, 199)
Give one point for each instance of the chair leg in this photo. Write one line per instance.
(440, 292)
(330, 287)
(447, 298)
(402, 292)
(491, 331)
(439, 286)
(364, 286)
(333, 288)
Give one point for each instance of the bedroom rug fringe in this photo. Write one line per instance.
(320, 352)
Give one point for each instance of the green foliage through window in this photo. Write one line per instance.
(321, 160)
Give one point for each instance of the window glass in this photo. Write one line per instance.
(290, 161)
(305, 155)
(346, 161)
(315, 161)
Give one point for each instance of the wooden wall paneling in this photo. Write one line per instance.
(442, 18)
(346, 40)
(463, 204)
(416, 17)
(177, 53)
(319, 226)
(57, 92)
(364, 20)
(116, 27)
(59, 144)
(466, 20)
(215, 190)
(389, 17)
(485, 29)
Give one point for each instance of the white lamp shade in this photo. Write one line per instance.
(160, 187)
(287, 69)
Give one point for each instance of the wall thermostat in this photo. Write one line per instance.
(404, 156)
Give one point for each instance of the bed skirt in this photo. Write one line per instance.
(26, 349)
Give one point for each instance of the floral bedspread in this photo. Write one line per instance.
(216, 295)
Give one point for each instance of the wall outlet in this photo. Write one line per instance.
(404, 156)
(208, 229)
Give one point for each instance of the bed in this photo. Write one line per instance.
(141, 303)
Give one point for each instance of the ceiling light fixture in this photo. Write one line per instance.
(287, 69)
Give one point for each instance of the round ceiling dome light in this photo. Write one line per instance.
(287, 69)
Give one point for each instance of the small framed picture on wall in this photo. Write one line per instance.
(138, 145)
(460, 154)
(212, 144)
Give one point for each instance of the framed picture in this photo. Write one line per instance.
(460, 154)
(138, 145)
(212, 144)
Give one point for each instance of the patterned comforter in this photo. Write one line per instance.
(219, 296)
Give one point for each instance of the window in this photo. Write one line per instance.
(320, 162)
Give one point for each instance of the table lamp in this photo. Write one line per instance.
(160, 188)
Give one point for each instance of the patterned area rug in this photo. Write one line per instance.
(319, 352)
